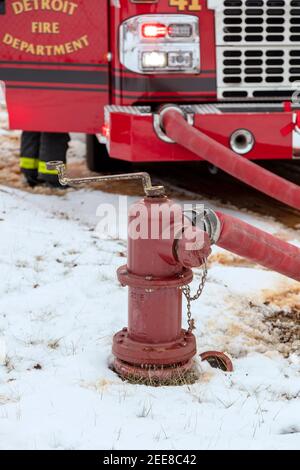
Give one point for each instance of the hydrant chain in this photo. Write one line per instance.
(187, 292)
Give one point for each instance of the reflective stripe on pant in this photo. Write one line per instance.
(27, 163)
(43, 170)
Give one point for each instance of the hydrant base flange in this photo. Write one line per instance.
(133, 352)
(181, 279)
(159, 375)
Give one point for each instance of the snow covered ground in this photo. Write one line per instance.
(60, 304)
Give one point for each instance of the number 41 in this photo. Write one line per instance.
(182, 5)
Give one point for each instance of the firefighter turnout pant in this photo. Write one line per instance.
(39, 148)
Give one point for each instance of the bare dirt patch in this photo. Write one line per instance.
(286, 298)
(267, 323)
(285, 320)
(228, 259)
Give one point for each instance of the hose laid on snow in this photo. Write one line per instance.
(181, 132)
(258, 246)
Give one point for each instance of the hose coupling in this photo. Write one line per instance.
(208, 221)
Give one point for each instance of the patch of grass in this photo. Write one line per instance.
(178, 378)
(54, 344)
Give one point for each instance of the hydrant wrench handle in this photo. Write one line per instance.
(149, 189)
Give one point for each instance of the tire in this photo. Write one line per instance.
(98, 159)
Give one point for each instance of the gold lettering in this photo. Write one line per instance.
(55, 28)
(61, 6)
(59, 50)
(45, 5)
(30, 49)
(85, 40)
(44, 27)
(8, 39)
(16, 43)
(57, 5)
(24, 45)
(72, 9)
(48, 49)
(17, 8)
(40, 50)
(77, 45)
(69, 48)
(27, 5)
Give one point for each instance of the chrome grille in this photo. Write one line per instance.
(260, 21)
(258, 48)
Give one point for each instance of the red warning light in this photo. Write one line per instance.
(154, 30)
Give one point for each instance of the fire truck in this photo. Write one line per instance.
(107, 68)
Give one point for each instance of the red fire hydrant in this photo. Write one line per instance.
(163, 246)
(161, 254)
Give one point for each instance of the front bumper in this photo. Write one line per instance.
(134, 134)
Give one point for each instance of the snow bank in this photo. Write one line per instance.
(60, 304)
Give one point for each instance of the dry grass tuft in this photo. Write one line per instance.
(179, 379)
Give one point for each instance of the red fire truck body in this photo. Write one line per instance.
(105, 67)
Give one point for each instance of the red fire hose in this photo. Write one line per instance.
(258, 246)
(181, 132)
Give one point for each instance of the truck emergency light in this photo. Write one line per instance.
(154, 30)
(160, 44)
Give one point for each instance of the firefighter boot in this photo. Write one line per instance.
(54, 146)
(30, 147)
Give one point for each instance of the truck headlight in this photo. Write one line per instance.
(160, 44)
(154, 60)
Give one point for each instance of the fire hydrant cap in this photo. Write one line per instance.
(193, 247)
